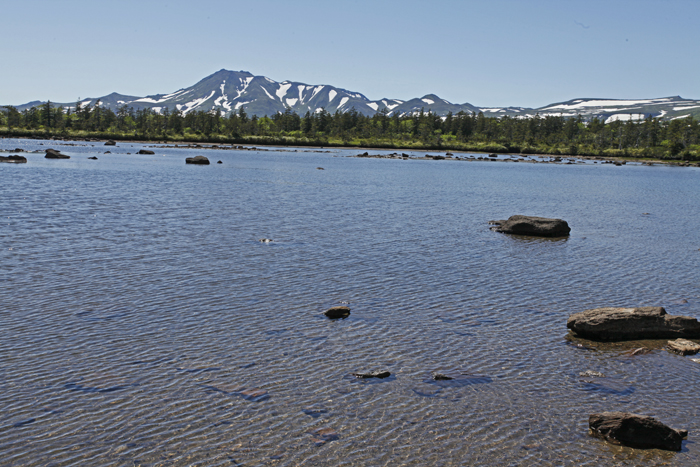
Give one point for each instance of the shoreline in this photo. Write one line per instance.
(323, 148)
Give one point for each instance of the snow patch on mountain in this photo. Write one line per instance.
(331, 95)
(428, 101)
(268, 94)
(317, 89)
(343, 101)
(282, 91)
(624, 117)
(373, 105)
(292, 102)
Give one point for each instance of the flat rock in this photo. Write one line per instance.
(532, 226)
(54, 154)
(618, 324)
(683, 347)
(636, 431)
(94, 158)
(323, 435)
(372, 374)
(110, 143)
(201, 160)
(14, 159)
(145, 151)
(337, 312)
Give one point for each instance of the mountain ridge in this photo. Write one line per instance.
(229, 91)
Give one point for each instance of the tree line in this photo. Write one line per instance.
(649, 137)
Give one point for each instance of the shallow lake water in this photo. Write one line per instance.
(143, 323)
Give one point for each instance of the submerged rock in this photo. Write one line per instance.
(337, 312)
(201, 160)
(372, 374)
(441, 377)
(683, 347)
(323, 435)
(14, 159)
(94, 158)
(265, 240)
(532, 226)
(618, 324)
(145, 151)
(54, 154)
(636, 431)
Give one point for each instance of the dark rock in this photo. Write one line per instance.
(94, 158)
(372, 374)
(337, 312)
(320, 168)
(53, 154)
(532, 226)
(14, 159)
(201, 160)
(145, 151)
(108, 152)
(493, 155)
(438, 158)
(219, 162)
(265, 240)
(683, 347)
(636, 431)
(617, 324)
(18, 150)
(441, 377)
(110, 143)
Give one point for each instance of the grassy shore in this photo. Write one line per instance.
(658, 154)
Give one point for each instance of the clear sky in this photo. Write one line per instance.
(487, 53)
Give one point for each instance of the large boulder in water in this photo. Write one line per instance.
(145, 151)
(618, 324)
(54, 154)
(110, 143)
(14, 159)
(201, 160)
(532, 226)
(636, 431)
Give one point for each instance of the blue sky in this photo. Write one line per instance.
(495, 53)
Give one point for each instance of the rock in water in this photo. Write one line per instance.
(201, 160)
(372, 374)
(14, 159)
(619, 324)
(337, 312)
(145, 151)
(683, 347)
(110, 143)
(636, 431)
(532, 226)
(53, 154)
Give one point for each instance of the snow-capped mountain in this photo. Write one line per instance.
(229, 91)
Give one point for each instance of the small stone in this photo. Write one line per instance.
(323, 435)
(441, 377)
(219, 162)
(94, 158)
(337, 312)
(145, 151)
(320, 168)
(265, 240)
(372, 374)
(683, 347)
(591, 373)
(255, 394)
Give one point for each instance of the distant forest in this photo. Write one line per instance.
(648, 138)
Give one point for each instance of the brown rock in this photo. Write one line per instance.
(14, 159)
(532, 226)
(617, 324)
(54, 154)
(637, 431)
(145, 151)
(337, 312)
(372, 374)
(201, 160)
(683, 347)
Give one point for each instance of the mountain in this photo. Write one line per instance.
(229, 91)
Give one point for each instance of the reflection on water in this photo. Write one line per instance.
(143, 323)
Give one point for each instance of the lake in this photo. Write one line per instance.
(144, 323)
